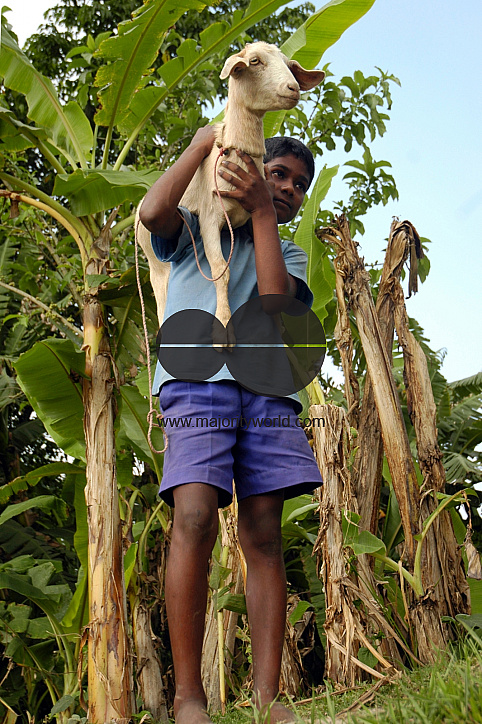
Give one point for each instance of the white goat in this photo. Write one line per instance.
(261, 79)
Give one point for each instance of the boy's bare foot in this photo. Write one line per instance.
(192, 711)
(276, 714)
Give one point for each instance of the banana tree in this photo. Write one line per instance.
(80, 378)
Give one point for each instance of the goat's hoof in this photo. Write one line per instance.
(223, 337)
(219, 336)
(230, 336)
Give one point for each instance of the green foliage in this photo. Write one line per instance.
(460, 424)
(320, 276)
(39, 643)
(94, 190)
(68, 23)
(132, 427)
(128, 56)
(50, 374)
(299, 527)
(69, 129)
(155, 78)
(447, 692)
(33, 477)
(370, 185)
(362, 542)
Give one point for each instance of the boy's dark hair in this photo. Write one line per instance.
(284, 146)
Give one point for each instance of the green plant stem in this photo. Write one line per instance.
(54, 694)
(417, 567)
(94, 146)
(127, 147)
(145, 532)
(70, 668)
(49, 156)
(105, 157)
(390, 563)
(121, 225)
(84, 602)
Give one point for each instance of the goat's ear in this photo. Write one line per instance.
(232, 64)
(307, 79)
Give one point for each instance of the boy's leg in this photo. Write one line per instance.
(259, 528)
(193, 536)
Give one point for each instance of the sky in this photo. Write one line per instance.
(432, 142)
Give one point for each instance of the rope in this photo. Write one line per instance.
(152, 411)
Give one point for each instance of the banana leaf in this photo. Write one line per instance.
(23, 482)
(42, 502)
(49, 374)
(319, 274)
(130, 54)
(132, 427)
(67, 126)
(90, 191)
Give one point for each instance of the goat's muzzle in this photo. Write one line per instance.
(289, 100)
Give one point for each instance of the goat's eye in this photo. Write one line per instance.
(254, 61)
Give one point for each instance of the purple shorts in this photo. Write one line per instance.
(218, 431)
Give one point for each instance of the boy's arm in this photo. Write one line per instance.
(254, 194)
(158, 210)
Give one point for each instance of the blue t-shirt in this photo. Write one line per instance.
(189, 290)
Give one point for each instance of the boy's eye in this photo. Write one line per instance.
(280, 174)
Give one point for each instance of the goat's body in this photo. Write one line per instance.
(242, 129)
(208, 206)
(158, 270)
(211, 220)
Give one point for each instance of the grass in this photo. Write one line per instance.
(448, 692)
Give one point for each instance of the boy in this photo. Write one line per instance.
(268, 464)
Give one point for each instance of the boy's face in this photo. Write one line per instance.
(289, 179)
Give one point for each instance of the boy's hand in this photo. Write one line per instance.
(252, 190)
(203, 138)
(159, 208)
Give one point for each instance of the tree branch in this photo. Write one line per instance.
(43, 306)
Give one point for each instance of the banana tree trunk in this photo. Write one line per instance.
(441, 558)
(329, 444)
(109, 663)
(212, 657)
(348, 625)
(148, 664)
(367, 468)
(353, 280)
(425, 612)
(291, 674)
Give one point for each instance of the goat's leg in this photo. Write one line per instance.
(210, 232)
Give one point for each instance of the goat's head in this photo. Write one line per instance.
(263, 79)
